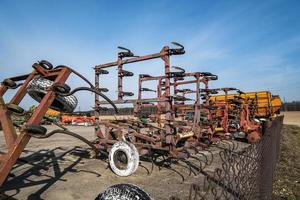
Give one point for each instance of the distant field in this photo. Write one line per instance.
(292, 118)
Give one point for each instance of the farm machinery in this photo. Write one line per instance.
(188, 115)
(180, 125)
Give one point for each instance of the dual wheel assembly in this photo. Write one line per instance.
(37, 89)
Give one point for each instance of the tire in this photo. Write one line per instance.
(15, 108)
(37, 90)
(36, 130)
(123, 158)
(124, 192)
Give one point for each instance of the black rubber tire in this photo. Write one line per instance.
(9, 83)
(124, 192)
(37, 90)
(61, 88)
(36, 130)
(15, 108)
(131, 155)
(46, 64)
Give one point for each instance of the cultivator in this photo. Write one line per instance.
(189, 115)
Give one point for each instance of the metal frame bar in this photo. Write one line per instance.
(17, 142)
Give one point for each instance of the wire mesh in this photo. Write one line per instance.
(246, 173)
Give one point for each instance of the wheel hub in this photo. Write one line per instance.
(120, 159)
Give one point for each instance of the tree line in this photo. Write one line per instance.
(291, 106)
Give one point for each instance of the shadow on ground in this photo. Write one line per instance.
(38, 164)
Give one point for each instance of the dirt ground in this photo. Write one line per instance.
(63, 170)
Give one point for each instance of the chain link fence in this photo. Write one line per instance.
(245, 173)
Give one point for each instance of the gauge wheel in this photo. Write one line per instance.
(37, 90)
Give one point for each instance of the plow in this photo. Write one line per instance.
(187, 116)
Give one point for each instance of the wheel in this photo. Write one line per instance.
(37, 90)
(36, 130)
(123, 158)
(124, 192)
(15, 108)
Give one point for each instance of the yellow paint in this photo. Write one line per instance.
(52, 113)
(266, 102)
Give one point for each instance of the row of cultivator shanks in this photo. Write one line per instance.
(186, 115)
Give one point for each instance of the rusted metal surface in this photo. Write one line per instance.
(7, 125)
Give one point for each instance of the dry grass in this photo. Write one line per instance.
(287, 175)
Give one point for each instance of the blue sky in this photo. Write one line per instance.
(252, 45)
